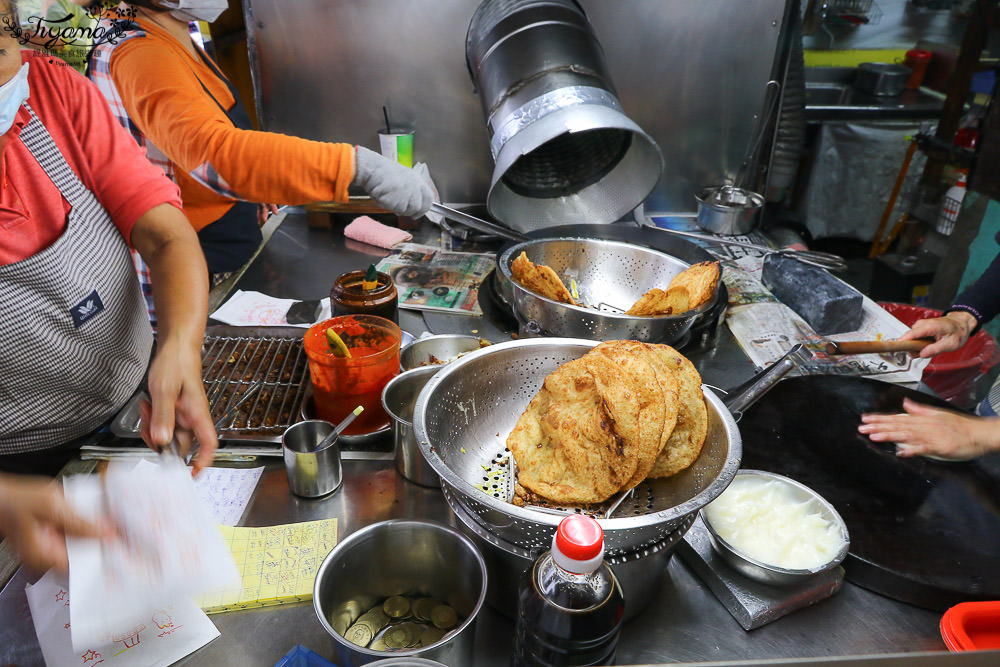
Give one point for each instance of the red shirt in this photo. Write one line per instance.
(102, 153)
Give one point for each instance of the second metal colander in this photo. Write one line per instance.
(610, 276)
(465, 412)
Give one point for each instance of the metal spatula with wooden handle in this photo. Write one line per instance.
(834, 347)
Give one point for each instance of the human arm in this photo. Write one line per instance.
(36, 518)
(923, 430)
(164, 98)
(168, 244)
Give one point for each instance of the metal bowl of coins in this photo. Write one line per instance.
(390, 590)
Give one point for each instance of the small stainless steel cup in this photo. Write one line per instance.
(311, 473)
(398, 399)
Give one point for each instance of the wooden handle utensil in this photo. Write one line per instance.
(876, 346)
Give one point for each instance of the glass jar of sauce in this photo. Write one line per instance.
(348, 296)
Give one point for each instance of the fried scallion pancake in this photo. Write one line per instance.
(540, 279)
(699, 280)
(566, 443)
(688, 437)
(626, 376)
(672, 301)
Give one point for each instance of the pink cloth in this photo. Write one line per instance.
(373, 232)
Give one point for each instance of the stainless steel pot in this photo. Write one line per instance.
(886, 79)
(728, 210)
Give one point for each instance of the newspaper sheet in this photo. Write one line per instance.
(429, 278)
(766, 329)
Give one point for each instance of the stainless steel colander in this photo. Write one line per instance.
(610, 276)
(465, 412)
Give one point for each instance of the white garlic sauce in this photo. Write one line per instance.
(763, 519)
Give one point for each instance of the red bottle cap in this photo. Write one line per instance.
(919, 54)
(580, 537)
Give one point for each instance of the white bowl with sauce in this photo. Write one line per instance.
(775, 530)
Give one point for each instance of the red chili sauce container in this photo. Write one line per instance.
(340, 384)
(917, 60)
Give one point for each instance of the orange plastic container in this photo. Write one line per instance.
(972, 626)
(952, 375)
(341, 384)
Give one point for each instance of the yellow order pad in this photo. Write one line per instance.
(278, 564)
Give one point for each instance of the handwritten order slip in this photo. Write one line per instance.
(278, 564)
(167, 634)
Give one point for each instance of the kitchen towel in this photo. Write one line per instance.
(370, 231)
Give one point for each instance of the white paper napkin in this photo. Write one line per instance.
(167, 634)
(170, 548)
(254, 309)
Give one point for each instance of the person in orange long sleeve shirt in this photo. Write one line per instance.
(171, 95)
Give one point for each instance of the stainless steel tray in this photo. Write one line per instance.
(233, 358)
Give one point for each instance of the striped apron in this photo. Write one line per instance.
(74, 336)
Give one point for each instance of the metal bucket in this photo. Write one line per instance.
(398, 398)
(563, 148)
(403, 558)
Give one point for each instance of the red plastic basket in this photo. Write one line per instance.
(952, 375)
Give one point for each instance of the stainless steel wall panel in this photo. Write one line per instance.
(691, 74)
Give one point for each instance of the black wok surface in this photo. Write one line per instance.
(922, 531)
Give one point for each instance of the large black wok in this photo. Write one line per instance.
(922, 531)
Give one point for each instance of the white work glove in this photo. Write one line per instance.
(393, 187)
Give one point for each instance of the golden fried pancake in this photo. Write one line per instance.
(667, 375)
(672, 301)
(565, 444)
(629, 385)
(688, 437)
(699, 280)
(540, 279)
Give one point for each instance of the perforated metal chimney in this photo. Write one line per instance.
(563, 149)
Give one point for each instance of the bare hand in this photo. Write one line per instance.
(179, 406)
(949, 332)
(36, 518)
(925, 430)
(265, 211)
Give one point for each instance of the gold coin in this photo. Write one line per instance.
(396, 606)
(444, 617)
(379, 644)
(431, 635)
(359, 634)
(401, 636)
(423, 607)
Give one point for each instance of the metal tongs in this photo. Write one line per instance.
(227, 416)
(824, 260)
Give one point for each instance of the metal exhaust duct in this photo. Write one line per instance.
(563, 149)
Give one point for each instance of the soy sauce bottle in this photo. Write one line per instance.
(570, 604)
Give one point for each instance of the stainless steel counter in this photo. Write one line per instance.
(684, 623)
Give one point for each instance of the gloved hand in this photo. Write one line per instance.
(392, 186)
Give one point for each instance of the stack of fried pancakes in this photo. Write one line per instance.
(604, 422)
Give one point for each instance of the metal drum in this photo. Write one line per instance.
(563, 148)
(466, 411)
(639, 572)
(611, 276)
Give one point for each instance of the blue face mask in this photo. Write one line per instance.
(12, 94)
